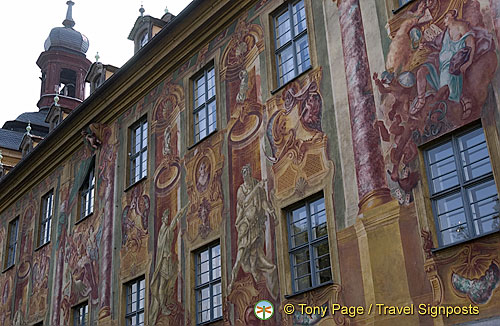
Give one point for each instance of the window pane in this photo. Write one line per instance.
(215, 253)
(303, 283)
(141, 319)
(137, 135)
(211, 83)
(218, 309)
(324, 276)
(471, 139)
(91, 202)
(302, 269)
(205, 294)
(285, 65)
(443, 173)
(455, 234)
(216, 269)
(144, 134)
(474, 155)
(283, 33)
(487, 224)
(318, 218)
(440, 152)
(302, 50)
(199, 92)
(299, 17)
(299, 214)
(323, 262)
(450, 211)
(443, 167)
(137, 168)
(483, 198)
(321, 249)
(200, 124)
(144, 163)
(212, 119)
(301, 256)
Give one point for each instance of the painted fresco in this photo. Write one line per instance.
(76, 270)
(23, 268)
(298, 143)
(5, 299)
(440, 63)
(253, 268)
(83, 250)
(204, 187)
(468, 274)
(24, 287)
(104, 206)
(166, 282)
(134, 224)
(39, 283)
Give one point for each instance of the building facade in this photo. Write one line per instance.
(338, 154)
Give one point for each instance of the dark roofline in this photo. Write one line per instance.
(100, 90)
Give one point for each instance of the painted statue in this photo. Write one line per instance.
(455, 57)
(167, 149)
(252, 207)
(162, 282)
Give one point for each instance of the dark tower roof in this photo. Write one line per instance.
(67, 38)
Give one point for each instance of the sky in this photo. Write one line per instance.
(25, 26)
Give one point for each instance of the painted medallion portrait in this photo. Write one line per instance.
(202, 174)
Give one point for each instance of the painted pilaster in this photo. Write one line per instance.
(495, 16)
(371, 181)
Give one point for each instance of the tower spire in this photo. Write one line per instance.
(69, 22)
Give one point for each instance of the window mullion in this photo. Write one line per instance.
(141, 136)
(210, 285)
(299, 35)
(292, 33)
(311, 249)
(291, 252)
(463, 192)
(284, 46)
(131, 157)
(206, 101)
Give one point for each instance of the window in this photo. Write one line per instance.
(67, 82)
(291, 42)
(45, 218)
(81, 314)
(403, 2)
(55, 122)
(12, 243)
(87, 194)
(135, 302)
(208, 285)
(463, 192)
(138, 151)
(204, 111)
(144, 39)
(308, 245)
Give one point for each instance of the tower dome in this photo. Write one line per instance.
(67, 38)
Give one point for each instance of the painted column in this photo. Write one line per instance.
(107, 175)
(495, 16)
(371, 179)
